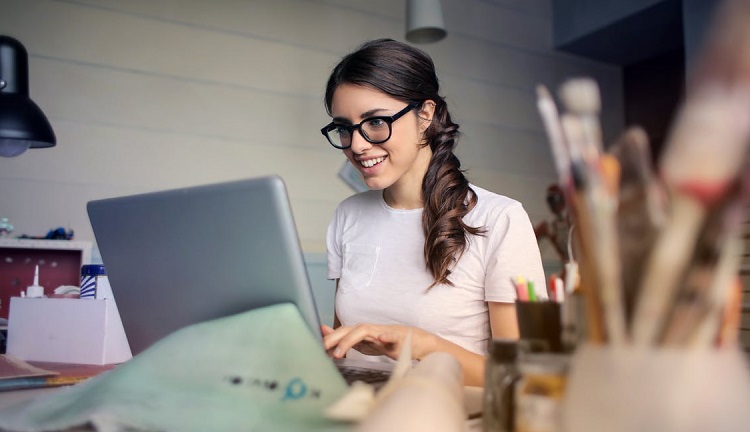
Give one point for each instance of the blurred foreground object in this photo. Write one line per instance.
(659, 249)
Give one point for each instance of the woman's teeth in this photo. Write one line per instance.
(371, 162)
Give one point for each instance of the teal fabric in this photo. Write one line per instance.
(261, 370)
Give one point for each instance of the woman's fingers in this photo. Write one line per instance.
(325, 330)
(354, 336)
(331, 339)
(363, 337)
(389, 337)
(370, 339)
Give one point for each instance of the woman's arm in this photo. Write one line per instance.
(503, 320)
(377, 339)
(336, 321)
(503, 324)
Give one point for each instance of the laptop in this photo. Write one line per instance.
(206, 252)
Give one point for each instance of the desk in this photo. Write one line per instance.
(9, 398)
(472, 401)
(65, 370)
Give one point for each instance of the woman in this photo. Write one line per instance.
(423, 251)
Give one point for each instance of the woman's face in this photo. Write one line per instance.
(400, 160)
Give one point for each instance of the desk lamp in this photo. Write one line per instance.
(22, 123)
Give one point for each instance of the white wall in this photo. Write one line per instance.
(152, 94)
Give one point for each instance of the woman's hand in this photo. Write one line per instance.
(376, 339)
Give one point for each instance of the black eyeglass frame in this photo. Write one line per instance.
(350, 128)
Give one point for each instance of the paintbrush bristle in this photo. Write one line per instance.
(581, 96)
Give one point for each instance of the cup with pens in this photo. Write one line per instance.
(539, 319)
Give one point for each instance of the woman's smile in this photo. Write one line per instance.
(369, 163)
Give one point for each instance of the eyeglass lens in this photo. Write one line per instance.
(374, 130)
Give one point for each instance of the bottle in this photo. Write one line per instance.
(93, 276)
(501, 374)
(35, 290)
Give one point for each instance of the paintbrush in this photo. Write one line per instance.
(585, 211)
(563, 157)
(641, 211)
(550, 118)
(704, 153)
(731, 319)
(600, 189)
(699, 306)
(581, 98)
(705, 150)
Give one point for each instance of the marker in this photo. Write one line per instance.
(521, 291)
(532, 292)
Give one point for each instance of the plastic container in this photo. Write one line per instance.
(92, 278)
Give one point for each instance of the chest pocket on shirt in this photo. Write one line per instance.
(359, 265)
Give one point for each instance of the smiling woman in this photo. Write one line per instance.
(423, 251)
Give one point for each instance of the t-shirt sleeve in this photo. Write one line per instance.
(333, 245)
(513, 251)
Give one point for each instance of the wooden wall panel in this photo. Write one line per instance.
(148, 95)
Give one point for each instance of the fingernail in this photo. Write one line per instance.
(337, 352)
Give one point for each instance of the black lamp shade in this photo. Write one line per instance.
(22, 122)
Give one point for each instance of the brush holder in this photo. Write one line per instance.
(540, 321)
(666, 390)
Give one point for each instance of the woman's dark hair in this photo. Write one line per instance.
(408, 74)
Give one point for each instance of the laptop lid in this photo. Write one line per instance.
(183, 256)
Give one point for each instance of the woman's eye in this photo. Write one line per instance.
(376, 123)
(341, 130)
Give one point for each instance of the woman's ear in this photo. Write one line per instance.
(425, 114)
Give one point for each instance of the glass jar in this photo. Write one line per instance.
(539, 392)
(501, 373)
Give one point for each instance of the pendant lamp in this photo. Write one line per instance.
(23, 125)
(424, 21)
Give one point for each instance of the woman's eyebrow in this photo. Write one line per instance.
(372, 112)
(341, 120)
(364, 115)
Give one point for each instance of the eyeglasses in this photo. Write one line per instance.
(375, 130)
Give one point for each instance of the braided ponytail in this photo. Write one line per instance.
(447, 199)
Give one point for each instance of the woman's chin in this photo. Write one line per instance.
(375, 183)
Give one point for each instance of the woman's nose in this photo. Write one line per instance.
(359, 143)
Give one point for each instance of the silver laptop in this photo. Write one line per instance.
(201, 253)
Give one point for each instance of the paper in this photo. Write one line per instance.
(361, 399)
(11, 367)
(426, 397)
(429, 398)
(260, 370)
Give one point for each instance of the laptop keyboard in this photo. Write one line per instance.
(369, 376)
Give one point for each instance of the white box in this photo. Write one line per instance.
(64, 330)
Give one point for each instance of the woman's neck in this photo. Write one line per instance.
(403, 197)
(406, 192)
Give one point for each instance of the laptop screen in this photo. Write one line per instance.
(183, 256)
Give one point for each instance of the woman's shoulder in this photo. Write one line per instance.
(488, 201)
(493, 209)
(361, 199)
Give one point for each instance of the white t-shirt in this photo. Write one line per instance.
(376, 252)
